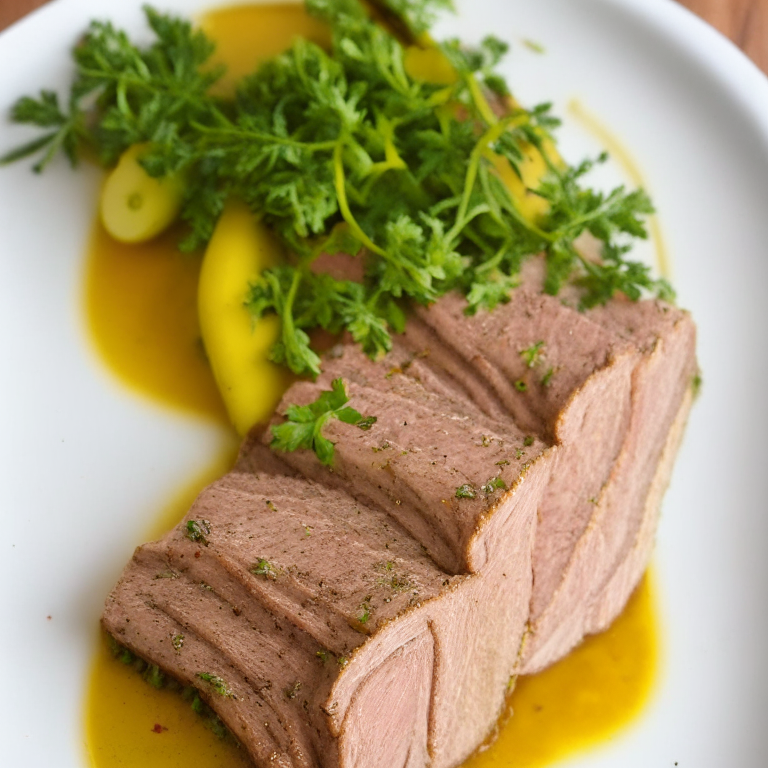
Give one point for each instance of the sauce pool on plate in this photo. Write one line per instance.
(141, 305)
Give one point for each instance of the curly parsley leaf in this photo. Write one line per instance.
(305, 423)
(45, 112)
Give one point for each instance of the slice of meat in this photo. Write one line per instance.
(660, 384)
(434, 467)
(273, 580)
(603, 387)
(502, 506)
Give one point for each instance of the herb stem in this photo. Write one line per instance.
(341, 194)
(242, 133)
(479, 100)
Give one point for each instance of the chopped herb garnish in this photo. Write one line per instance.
(198, 530)
(366, 423)
(528, 440)
(177, 641)
(293, 691)
(154, 676)
(399, 583)
(264, 568)
(218, 684)
(494, 484)
(532, 355)
(465, 491)
(696, 384)
(521, 386)
(546, 379)
(304, 423)
(169, 574)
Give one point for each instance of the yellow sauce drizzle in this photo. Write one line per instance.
(622, 156)
(141, 306)
(584, 699)
(247, 35)
(129, 724)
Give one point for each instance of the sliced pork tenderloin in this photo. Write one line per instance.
(241, 658)
(433, 466)
(604, 387)
(272, 562)
(660, 399)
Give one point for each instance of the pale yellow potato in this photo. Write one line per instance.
(134, 206)
(237, 347)
(429, 65)
(532, 168)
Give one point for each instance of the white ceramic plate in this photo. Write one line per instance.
(86, 465)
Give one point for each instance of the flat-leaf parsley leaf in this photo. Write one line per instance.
(304, 424)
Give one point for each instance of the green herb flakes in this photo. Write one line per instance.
(218, 684)
(293, 691)
(366, 423)
(532, 355)
(264, 568)
(493, 485)
(198, 530)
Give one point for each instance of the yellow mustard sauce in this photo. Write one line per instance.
(586, 698)
(141, 310)
(141, 304)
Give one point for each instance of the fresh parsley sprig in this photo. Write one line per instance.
(304, 424)
(343, 151)
(68, 130)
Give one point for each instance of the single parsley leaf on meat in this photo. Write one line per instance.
(305, 423)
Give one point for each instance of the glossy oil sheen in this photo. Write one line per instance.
(141, 308)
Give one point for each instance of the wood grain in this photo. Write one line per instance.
(743, 21)
(11, 10)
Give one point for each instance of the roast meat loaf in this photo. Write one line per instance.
(504, 504)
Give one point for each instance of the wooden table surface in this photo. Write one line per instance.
(744, 21)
